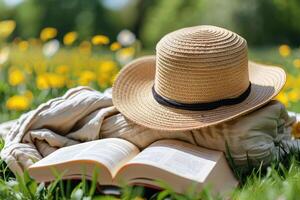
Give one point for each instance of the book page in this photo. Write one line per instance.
(180, 158)
(110, 152)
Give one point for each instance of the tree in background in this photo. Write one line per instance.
(166, 16)
(87, 17)
(266, 22)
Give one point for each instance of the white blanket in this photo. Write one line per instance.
(83, 114)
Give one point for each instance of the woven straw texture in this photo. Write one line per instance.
(209, 61)
(194, 65)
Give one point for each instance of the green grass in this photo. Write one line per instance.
(23, 187)
(281, 180)
(270, 55)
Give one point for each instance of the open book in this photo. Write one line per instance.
(174, 162)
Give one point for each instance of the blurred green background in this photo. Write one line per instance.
(264, 22)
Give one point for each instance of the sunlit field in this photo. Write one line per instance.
(289, 60)
(35, 70)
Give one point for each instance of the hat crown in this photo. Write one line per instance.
(201, 64)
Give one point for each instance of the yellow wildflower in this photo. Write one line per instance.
(107, 66)
(125, 55)
(15, 77)
(18, 102)
(283, 98)
(6, 28)
(86, 77)
(296, 63)
(115, 46)
(23, 45)
(48, 33)
(100, 40)
(62, 69)
(50, 80)
(42, 82)
(56, 80)
(296, 130)
(127, 51)
(293, 95)
(290, 81)
(85, 47)
(70, 38)
(284, 50)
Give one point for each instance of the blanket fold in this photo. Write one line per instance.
(84, 114)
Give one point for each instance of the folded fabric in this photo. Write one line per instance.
(84, 114)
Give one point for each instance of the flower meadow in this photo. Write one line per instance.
(35, 70)
(289, 59)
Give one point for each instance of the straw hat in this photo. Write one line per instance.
(199, 77)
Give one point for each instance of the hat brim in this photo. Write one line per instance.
(132, 96)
